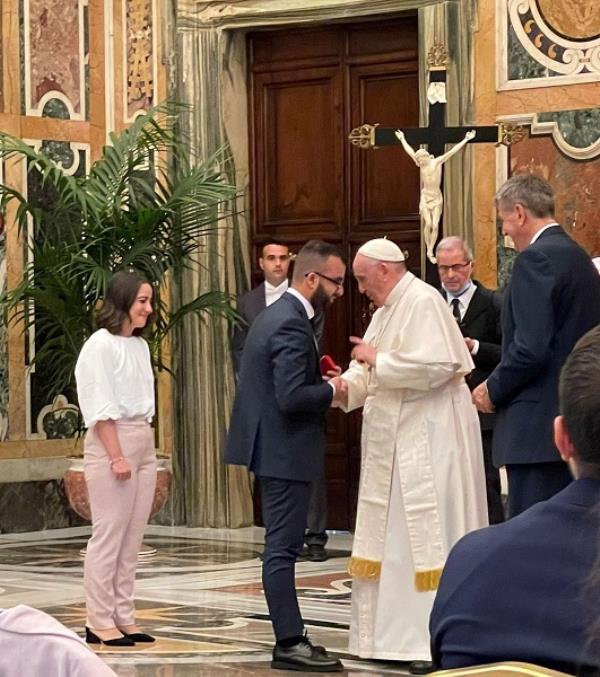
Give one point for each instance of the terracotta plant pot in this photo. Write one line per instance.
(77, 493)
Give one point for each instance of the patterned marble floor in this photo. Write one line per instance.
(200, 595)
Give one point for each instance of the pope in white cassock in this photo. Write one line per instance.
(422, 482)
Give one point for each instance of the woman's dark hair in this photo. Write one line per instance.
(121, 293)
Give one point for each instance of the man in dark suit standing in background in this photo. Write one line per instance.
(552, 300)
(275, 263)
(278, 431)
(540, 562)
(477, 311)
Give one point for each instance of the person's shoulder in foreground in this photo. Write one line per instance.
(524, 590)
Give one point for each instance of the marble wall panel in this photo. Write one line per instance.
(32, 506)
(46, 418)
(4, 383)
(579, 128)
(54, 57)
(1, 58)
(576, 185)
(140, 56)
(520, 64)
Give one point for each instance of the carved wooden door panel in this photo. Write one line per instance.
(308, 88)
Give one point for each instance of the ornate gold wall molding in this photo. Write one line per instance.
(140, 56)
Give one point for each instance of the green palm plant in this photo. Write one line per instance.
(144, 204)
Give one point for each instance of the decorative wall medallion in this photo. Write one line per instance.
(54, 58)
(561, 36)
(140, 56)
(579, 19)
(59, 420)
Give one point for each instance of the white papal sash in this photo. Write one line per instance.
(382, 446)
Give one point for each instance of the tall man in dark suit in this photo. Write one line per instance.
(477, 311)
(278, 432)
(553, 298)
(541, 561)
(275, 263)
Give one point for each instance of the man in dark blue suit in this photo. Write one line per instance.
(278, 432)
(274, 263)
(553, 298)
(541, 561)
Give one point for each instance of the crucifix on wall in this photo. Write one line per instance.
(435, 136)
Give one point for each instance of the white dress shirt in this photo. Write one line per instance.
(310, 311)
(114, 378)
(541, 230)
(273, 293)
(464, 299)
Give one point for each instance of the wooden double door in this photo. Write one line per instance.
(308, 88)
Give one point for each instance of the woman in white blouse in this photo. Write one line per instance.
(115, 386)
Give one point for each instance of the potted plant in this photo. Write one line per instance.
(144, 204)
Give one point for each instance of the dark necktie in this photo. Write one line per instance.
(312, 324)
(456, 309)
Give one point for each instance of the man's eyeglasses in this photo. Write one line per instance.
(339, 281)
(455, 268)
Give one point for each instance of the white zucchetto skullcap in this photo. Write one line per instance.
(382, 249)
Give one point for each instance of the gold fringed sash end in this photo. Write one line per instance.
(427, 580)
(364, 568)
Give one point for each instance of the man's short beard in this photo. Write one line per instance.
(320, 300)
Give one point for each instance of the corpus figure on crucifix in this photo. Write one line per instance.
(431, 200)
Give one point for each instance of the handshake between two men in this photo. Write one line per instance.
(364, 354)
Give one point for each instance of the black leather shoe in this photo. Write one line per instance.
(92, 638)
(316, 553)
(304, 657)
(421, 667)
(139, 637)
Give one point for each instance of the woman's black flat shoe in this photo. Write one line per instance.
(140, 637)
(91, 638)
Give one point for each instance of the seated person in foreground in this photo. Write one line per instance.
(522, 590)
(34, 644)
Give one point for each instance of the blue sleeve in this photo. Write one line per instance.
(292, 356)
(531, 300)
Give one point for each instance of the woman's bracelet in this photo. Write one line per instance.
(115, 460)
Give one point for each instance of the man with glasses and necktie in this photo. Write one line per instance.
(477, 311)
(278, 432)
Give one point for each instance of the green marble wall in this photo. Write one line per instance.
(579, 128)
